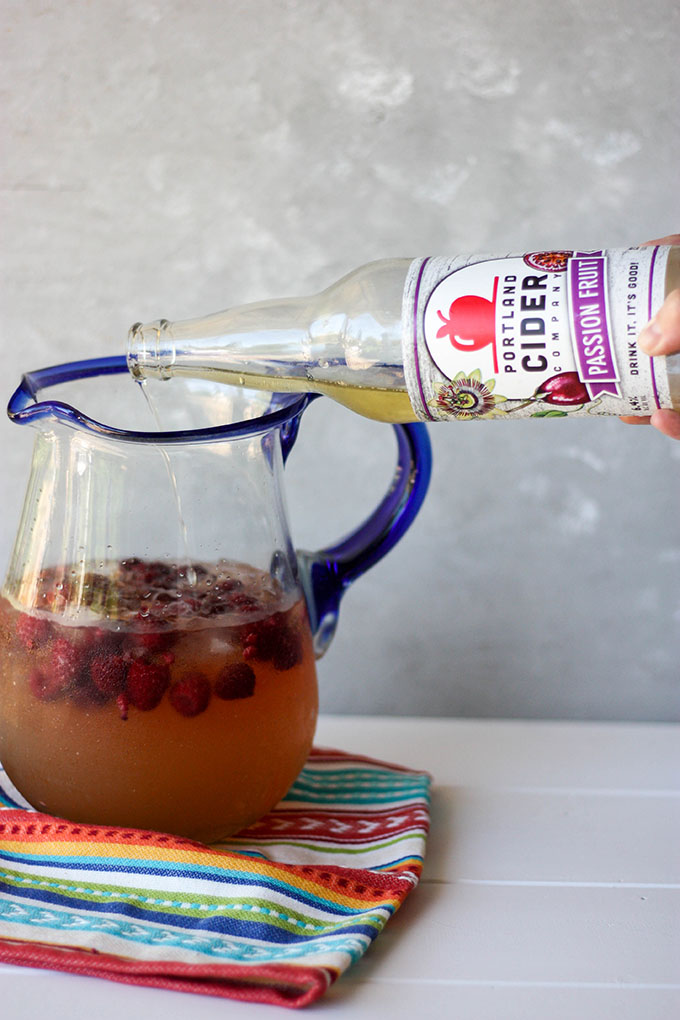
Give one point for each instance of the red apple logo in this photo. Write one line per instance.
(471, 323)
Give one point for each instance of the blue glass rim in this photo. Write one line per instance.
(25, 409)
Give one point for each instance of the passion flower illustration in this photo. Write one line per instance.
(548, 261)
(465, 397)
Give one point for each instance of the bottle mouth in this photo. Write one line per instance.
(25, 407)
(150, 350)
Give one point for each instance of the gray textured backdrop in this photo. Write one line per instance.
(172, 158)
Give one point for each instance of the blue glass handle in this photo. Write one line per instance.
(327, 574)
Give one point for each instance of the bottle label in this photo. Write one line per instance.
(548, 334)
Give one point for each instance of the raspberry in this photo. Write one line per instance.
(66, 663)
(288, 650)
(260, 639)
(147, 682)
(150, 637)
(225, 585)
(185, 608)
(32, 631)
(154, 640)
(95, 640)
(108, 674)
(44, 687)
(154, 574)
(272, 639)
(85, 694)
(235, 681)
(190, 695)
(219, 598)
(242, 603)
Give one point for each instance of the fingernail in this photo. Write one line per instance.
(650, 337)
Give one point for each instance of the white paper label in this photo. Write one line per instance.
(548, 334)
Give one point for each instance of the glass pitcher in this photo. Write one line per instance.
(158, 631)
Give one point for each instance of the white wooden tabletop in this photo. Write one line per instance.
(551, 887)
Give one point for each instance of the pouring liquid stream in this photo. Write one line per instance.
(174, 488)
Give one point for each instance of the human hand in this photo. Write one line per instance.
(662, 336)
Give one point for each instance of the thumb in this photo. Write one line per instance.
(662, 334)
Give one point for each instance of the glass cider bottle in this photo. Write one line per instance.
(547, 334)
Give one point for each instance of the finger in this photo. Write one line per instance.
(635, 419)
(662, 334)
(669, 239)
(668, 422)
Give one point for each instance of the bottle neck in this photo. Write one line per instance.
(267, 338)
(348, 334)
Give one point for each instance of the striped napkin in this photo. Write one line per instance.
(275, 914)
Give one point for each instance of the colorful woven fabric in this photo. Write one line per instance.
(274, 915)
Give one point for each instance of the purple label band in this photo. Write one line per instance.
(416, 299)
(590, 325)
(652, 267)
